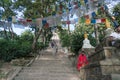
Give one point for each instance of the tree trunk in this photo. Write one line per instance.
(11, 30)
(35, 39)
(5, 32)
(12, 33)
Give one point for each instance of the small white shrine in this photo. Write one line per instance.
(86, 42)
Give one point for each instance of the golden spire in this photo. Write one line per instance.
(85, 35)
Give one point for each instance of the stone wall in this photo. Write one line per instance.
(102, 64)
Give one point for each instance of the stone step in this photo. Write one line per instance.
(54, 76)
(49, 68)
(44, 74)
(47, 64)
(46, 78)
(30, 78)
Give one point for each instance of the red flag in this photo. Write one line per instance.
(46, 25)
(29, 20)
(87, 16)
(67, 22)
(103, 20)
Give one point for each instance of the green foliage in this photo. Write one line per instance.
(11, 49)
(65, 38)
(7, 5)
(76, 42)
(27, 36)
(22, 50)
(92, 40)
(116, 12)
(101, 37)
(18, 48)
(2, 35)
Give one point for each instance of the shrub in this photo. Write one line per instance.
(76, 42)
(11, 49)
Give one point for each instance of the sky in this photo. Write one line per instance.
(20, 29)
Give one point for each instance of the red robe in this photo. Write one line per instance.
(82, 60)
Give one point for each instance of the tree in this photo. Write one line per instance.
(64, 38)
(116, 12)
(27, 36)
(33, 9)
(6, 12)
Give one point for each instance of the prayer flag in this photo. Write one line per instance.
(98, 20)
(93, 21)
(85, 1)
(9, 19)
(86, 16)
(107, 23)
(44, 22)
(87, 21)
(39, 21)
(67, 22)
(103, 20)
(93, 14)
(14, 19)
(29, 20)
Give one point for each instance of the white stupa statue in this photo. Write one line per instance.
(86, 42)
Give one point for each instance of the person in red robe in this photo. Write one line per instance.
(82, 60)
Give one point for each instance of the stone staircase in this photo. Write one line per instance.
(49, 67)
